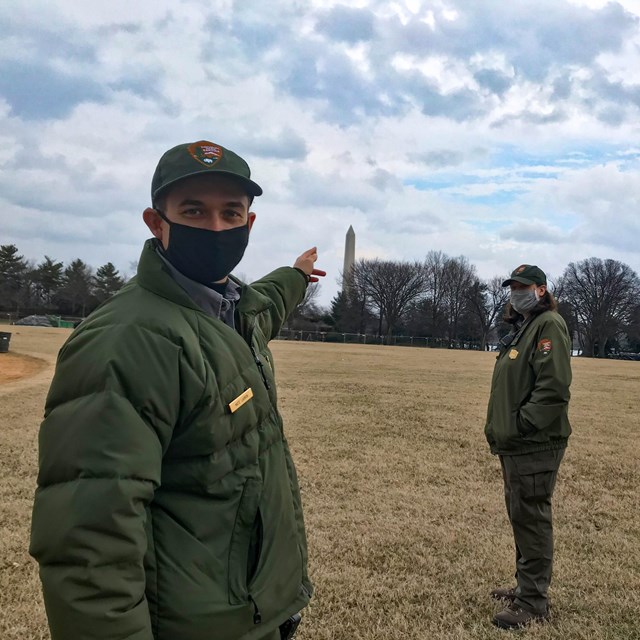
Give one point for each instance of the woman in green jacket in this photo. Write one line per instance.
(528, 428)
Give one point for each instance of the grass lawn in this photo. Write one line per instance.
(403, 502)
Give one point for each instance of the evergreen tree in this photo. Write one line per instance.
(77, 289)
(13, 277)
(633, 330)
(107, 281)
(48, 277)
(349, 311)
(338, 304)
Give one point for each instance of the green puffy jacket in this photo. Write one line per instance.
(528, 405)
(160, 513)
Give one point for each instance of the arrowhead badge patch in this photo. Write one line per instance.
(545, 345)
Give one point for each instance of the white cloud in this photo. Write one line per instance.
(499, 131)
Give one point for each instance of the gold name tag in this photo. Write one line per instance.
(243, 398)
(513, 354)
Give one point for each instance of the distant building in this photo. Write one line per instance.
(349, 256)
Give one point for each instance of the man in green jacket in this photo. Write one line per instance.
(528, 428)
(167, 504)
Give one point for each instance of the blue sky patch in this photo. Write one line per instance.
(35, 91)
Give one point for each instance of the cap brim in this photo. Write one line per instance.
(506, 283)
(253, 188)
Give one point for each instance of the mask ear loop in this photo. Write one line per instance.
(163, 216)
(540, 296)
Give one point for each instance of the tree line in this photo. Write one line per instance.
(50, 287)
(441, 297)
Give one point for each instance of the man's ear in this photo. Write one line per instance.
(251, 219)
(153, 221)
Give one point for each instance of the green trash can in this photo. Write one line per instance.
(5, 337)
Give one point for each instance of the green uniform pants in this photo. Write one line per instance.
(274, 635)
(529, 481)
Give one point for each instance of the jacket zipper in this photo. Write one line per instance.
(260, 367)
(256, 359)
(257, 616)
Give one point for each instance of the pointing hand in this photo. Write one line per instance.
(305, 263)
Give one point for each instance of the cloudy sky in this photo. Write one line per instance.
(507, 132)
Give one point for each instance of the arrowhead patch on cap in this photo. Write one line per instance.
(206, 153)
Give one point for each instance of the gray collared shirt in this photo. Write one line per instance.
(210, 301)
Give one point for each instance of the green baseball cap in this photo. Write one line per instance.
(194, 158)
(526, 274)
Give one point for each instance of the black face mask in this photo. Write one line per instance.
(203, 255)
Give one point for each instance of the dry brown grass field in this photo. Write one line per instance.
(403, 502)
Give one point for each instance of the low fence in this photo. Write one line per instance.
(364, 338)
(625, 356)
(67, 322)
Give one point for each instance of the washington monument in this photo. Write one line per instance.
(349, 256)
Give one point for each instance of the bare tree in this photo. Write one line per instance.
(390, 287)
(308, 313)
(458, 274)
(486, 301)
(603, 295)
(435, 265)
(309, 302)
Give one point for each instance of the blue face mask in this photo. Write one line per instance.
(203, 255)
(523, 300)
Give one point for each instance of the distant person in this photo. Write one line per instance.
(528, 428)
(167, 505)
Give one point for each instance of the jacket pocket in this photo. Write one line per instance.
(246, 543)
(522, 427)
